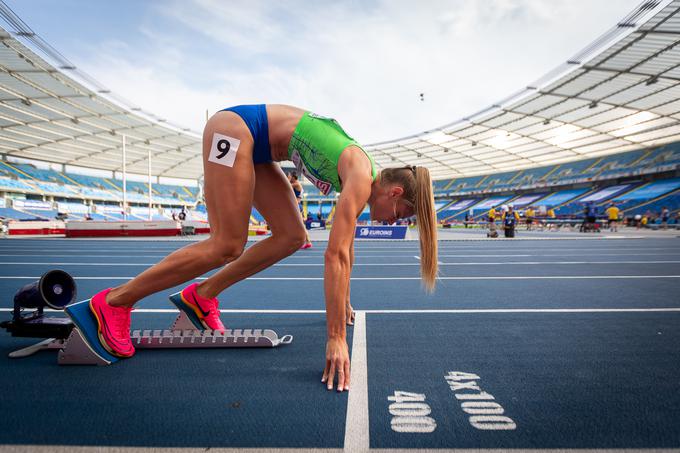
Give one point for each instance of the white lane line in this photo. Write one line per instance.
(88, 449)
(534, 277)
(469, 263)
(77, 251)
(583, 255)
(533, 263)
(307, 257)
(68, 253)
(356, 424)
(236, 310)
(528, 310)
(406, 311)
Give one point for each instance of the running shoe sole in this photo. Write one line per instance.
(83, 318)
(188, 309)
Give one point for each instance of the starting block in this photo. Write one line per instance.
(82, 345)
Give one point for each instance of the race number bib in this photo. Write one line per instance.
(223, 150)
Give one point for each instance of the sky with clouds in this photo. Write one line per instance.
(364, 63)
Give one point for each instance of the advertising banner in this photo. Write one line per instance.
(381, 232)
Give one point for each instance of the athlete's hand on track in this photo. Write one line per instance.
(349, 314)
(337, 361)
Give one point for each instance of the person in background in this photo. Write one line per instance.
(467, 219)
(529, 215)
(182, 216)
(550, 219)
(664, 217)
(492, 214)
(510, 219)
(613, 217)
(492, 223)
(297, 191)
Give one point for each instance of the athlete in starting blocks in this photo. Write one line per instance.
(240, 147)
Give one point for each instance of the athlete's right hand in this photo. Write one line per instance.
(349, 314)
(337, 360)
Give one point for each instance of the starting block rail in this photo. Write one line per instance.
(82, 346)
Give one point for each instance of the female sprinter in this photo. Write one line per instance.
(297, 191)
(240, 147)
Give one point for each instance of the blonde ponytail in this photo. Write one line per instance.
(418, 193)
(426, 218)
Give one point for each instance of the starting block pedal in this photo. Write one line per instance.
(83, 347)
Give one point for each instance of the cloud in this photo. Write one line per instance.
(364, 63)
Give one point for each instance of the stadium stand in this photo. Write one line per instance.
(650, 197)
(614, 178)
(13, 214)
(557, 199)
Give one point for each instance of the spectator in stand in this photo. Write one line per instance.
(664, 217)
(529, 215)
(612, 217)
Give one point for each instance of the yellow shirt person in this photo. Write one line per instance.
(612, 213)
(613, 216)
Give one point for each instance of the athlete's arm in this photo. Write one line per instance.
(355, 172)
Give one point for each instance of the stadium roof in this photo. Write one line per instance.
(54, 112)
(620, 93)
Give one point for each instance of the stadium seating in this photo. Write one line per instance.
(15, 185)
(561, 197)
(456, 207)
(653, 196)
(9, 213)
